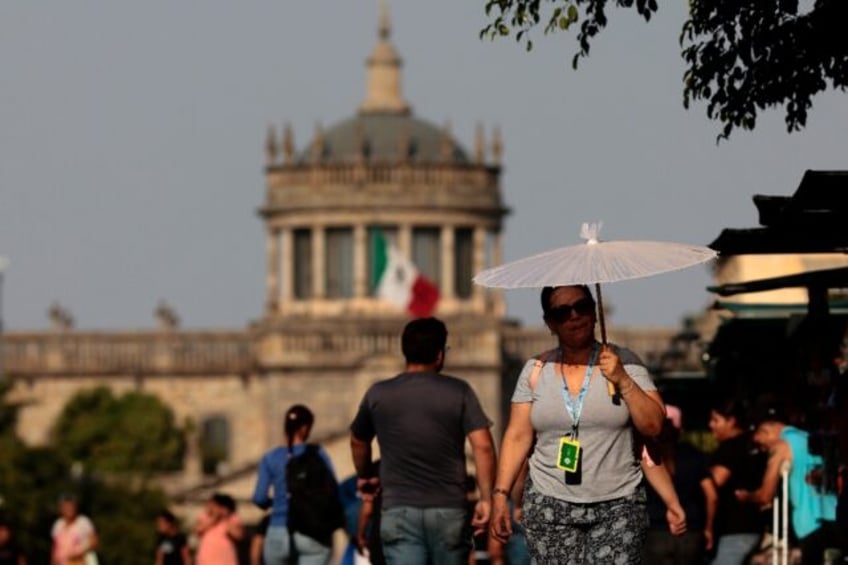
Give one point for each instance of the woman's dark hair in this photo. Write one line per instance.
(296, 417)
(732, 408)
(549, 290)
(423, 339)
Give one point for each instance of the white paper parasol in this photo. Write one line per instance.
(593, 263)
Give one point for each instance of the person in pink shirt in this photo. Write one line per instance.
(219, 529)
(74, 538)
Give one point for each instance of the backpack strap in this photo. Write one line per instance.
(538, 365)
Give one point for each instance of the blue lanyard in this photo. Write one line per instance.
(576, 407)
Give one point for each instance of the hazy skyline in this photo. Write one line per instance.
(131, 146)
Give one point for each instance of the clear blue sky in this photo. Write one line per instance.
(131, 138)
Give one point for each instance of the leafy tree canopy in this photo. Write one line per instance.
(742, 56)
(135, 433)
(31, 479)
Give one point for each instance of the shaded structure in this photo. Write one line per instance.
(792, 350)
(813, 220)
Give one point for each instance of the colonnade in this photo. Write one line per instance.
(486, 251)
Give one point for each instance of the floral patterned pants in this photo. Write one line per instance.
(567, 533)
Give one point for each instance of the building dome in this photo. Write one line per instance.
(386, 137)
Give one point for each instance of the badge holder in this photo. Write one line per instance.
(569, 459)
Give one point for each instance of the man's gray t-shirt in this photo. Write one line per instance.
(610, 465)
(421, 421)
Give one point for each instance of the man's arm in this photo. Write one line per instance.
(483, 450)
(93, 541)
(711, 504)
(256, 543)
(235, 529)
(360, 450)
(720, 474)
(186, 554)
(366, 483)
(765, 494)
(366, 510)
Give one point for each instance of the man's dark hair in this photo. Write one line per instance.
(225, 501)
(168, 516)
(549, 290)
(423, 339)
(768, 409)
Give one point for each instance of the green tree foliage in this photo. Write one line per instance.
(32, 478)
(135, 433)
(125, 521)
(742, 56)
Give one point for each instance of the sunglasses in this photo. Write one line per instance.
(561, 313)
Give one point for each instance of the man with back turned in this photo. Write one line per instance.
(421, 419)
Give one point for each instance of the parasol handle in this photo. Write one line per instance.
(610, 386)
(601, 313)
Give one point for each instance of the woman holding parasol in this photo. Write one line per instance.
(583, 502)
(576, 409)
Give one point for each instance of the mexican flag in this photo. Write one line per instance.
(399, 281)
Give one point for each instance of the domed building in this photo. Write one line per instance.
(382, 170)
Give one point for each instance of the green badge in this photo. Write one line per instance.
(569, 454)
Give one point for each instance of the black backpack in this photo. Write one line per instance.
(315, 508)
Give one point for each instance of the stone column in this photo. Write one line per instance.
(192, 470)
(360, 261)
(272, 279)
(447, 289)
(318, 275)
(404, 239)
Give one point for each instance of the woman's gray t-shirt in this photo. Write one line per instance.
(610, 466)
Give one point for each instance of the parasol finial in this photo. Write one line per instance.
(590, 232)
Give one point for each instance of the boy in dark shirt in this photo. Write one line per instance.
(736, 464)
(172, 548)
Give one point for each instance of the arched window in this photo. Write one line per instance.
(214, 444)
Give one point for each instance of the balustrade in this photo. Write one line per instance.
(122, 353)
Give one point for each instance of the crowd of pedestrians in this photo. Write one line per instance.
(593, 468)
